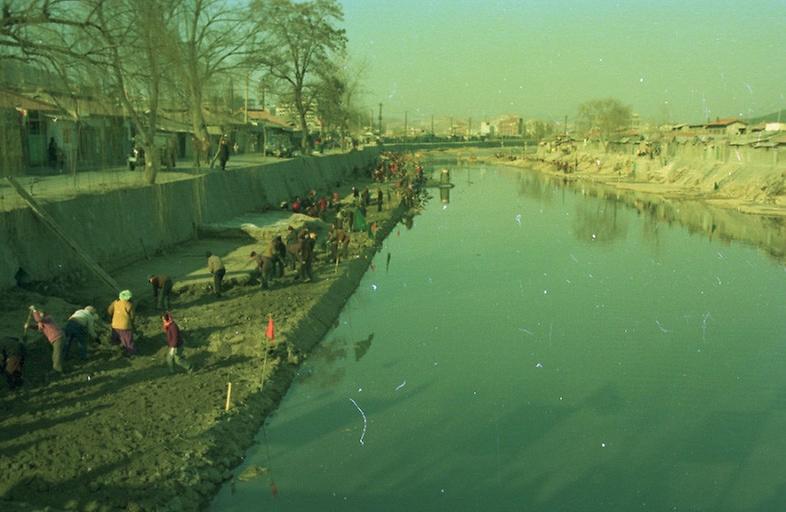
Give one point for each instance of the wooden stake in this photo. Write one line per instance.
(264, 368)
(338, 258)
(229, 396)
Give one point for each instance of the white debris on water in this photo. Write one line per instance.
(518, 219)
(539, 365)
(662, 329)
(401, 385)
(365, 421)
(704, 319)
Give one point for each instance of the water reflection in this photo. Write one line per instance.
(362, 346)
(444, 195)
(329, 357)
(326, 356)
(597, 222)
(698, 217)
(538, 186)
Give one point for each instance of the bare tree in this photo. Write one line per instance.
(337, 93)
(215, 41)
(142, 49)
(301, 40)
(606, 116)
(129, 41)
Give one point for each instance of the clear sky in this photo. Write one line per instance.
(669, 59)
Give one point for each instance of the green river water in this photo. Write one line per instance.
(534, 348)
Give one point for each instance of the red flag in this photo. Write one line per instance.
(270, 332)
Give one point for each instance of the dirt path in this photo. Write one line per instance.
(123, 434)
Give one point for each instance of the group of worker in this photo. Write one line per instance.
(81, 327)
(297, 250)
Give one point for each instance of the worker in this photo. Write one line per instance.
(365, 198)
(216, 267)
(307, 247)
(174, 340)
(292, 246)
(53, 334)
(379, 199)
(338, 242)
(79, 327)
(278, 252)
(12, 360)
(122, 313)
(162, 288)
(265, 268)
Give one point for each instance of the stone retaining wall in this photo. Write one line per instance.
(122, 226)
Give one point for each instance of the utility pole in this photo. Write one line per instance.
(469, 127)
(451, 127)
(405, 124)
(566, 126)
(432, 125)
(380, 119)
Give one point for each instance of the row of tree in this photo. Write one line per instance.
(150, 55)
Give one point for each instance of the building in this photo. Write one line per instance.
(728, 126)
(288, 112)
(775, 127)
(510, 126)
(86, 133)
(486, 129)
(276, 133)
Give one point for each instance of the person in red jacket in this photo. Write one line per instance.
(53, 334)
(174, 340)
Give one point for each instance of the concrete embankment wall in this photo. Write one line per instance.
(122, 226)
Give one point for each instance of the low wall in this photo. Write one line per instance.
(700, 153)
(424, 146)
(122, 226)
